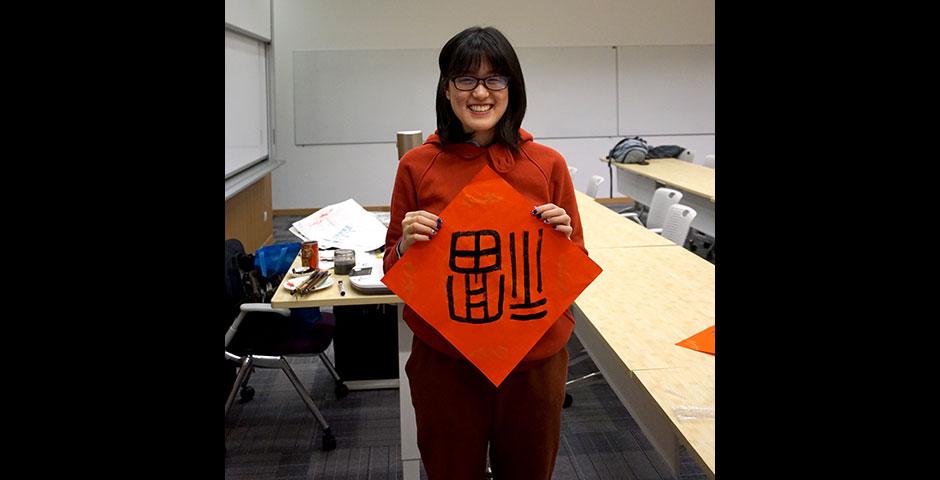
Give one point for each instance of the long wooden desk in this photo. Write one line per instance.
(648, 298)
(603, 228)
(696, 182)
(686, 395)
(410, 457)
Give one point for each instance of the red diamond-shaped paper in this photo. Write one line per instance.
(454, 281)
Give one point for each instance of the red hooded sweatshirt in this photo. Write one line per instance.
(430, 176)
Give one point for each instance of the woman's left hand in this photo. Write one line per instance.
(555, 216)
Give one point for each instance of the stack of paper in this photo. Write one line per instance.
(342, 225)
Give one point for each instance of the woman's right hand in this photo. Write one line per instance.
(418, 226)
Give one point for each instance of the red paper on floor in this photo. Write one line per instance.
(703, 341)
(494, 278)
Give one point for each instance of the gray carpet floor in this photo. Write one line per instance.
(275, 436)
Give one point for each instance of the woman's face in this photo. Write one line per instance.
(481, 108)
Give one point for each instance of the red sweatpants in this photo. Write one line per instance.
(459, 412)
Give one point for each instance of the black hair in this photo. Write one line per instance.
(464, 53)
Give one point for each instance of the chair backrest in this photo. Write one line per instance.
(678, 220)
(709, 161)
(596, 181)
(663, 198)
(234, 289)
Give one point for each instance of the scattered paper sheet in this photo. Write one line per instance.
(296, 232)
(494, 278)
(342, 225)
(703, 341)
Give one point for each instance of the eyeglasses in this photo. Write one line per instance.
(467, 83)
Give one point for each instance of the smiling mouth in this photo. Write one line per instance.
(480, 108)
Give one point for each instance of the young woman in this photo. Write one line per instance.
(460, 414)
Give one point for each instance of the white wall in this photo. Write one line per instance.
(250, 16)
(315, 176)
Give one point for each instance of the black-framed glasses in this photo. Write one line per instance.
(467, 83)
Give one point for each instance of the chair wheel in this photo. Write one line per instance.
(341, 390)
(247, 394)
(329, 442)
(568, 400)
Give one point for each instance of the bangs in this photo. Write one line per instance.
(469, 55)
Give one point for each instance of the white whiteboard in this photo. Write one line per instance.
(246, 107)
(570, 91)
(666, 89)
(363, 96)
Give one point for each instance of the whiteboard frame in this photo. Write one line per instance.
(266, 140)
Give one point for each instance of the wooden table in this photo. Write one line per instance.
(604, 228)
(410, 457)
(647, 299)
(696, 182)
(328, 296)
(686, 396)
(630, 318)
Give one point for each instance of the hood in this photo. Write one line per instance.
(500, 156)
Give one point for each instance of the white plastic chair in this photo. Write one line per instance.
(663, 198)
(596, 181)
(572, 170)
(709, 161)
(678, 221)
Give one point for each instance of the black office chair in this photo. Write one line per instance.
(262, 336)
(575, 359)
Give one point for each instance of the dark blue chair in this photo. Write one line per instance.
(261, 336)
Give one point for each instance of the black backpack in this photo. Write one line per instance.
(668, 151)
(244, 282)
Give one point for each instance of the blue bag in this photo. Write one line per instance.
(274, 260)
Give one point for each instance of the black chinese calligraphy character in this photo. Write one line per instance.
(527, 302)
(468, 255)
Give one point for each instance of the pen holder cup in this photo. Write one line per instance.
(344, 261)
